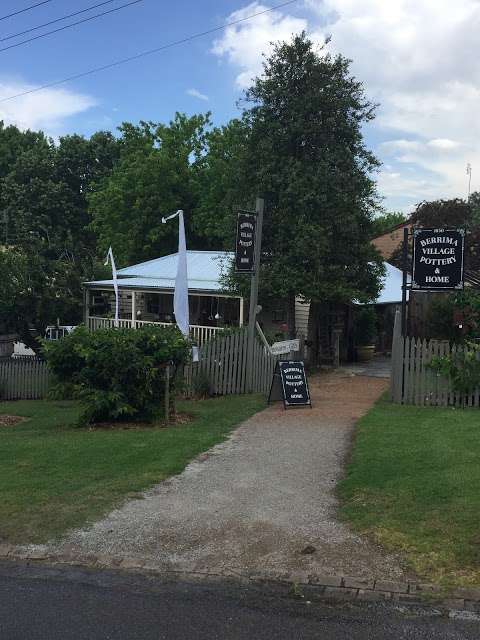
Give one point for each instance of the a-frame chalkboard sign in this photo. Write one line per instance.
(290, 384)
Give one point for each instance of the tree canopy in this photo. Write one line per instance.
(298, 143)
(306, 154)
(47, 248)
(386, 221)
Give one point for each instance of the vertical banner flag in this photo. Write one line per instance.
(111, 259)
(180, 297)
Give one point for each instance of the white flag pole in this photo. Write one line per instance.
(180, 297)
(111, 259)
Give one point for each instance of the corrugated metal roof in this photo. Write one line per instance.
(391, 291)
(472, 278)
(392, 286)
(204, 268)
(158, 283)
(201, 265)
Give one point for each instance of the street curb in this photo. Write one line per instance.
(457, 602)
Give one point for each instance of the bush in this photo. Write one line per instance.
(462, 367)
(117, 374)
(365, 326)
(455, 316)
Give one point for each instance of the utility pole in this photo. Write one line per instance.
(469, 174)
(252, 316)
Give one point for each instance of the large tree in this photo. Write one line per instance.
(156, 175)
(47, 247)
(306, 154)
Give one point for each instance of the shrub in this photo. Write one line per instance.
(117, 374)
(462, 367)
(365, 326)
(455, 317)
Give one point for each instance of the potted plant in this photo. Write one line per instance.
(365, 332)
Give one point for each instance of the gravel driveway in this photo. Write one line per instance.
(253, 503)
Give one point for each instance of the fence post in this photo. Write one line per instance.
(167, 393)
(396, 383)
(336, 348)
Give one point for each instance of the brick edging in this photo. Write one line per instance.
(333, 588)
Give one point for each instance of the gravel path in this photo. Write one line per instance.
(253, 503)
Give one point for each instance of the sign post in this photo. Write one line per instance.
(290, 384)
(252, 315)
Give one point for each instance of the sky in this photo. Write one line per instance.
(418, 59)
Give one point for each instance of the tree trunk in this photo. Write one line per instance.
(291, 326)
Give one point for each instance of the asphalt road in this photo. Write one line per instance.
(50, 604)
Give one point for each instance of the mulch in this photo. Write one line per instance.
(10, 421)
(179, 420)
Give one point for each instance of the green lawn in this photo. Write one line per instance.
(413, 482)
(55, 476)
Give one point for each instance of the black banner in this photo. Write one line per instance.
(290, 384)
(438, 259)
(245, 245)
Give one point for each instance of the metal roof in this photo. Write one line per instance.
(204, 269)
(391, 291)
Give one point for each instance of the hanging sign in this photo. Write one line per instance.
(245, 245)
(290, 384)
(278, 348)
(438, 259)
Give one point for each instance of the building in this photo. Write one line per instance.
(391, 241)
(146, 297)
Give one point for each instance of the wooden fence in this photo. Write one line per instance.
(26, 378)
(414, 382)
(222, 366)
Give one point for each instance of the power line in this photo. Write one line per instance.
(73, 24)
(32, 6)
(146, 53)
(46, 24)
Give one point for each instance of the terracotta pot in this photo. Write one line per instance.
(365, 353)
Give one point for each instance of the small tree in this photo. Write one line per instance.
(118, 374)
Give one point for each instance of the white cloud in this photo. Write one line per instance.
(243, 44)
(197, 94)
(417, 58)
(47, 110)
(444, 144)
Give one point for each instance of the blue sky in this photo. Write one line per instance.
(417, 58)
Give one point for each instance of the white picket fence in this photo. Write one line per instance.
(198, 333)
(414, 382)
(26, 378)
(223, 365)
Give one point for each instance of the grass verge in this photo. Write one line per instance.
(413, 483)
(55, 476)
